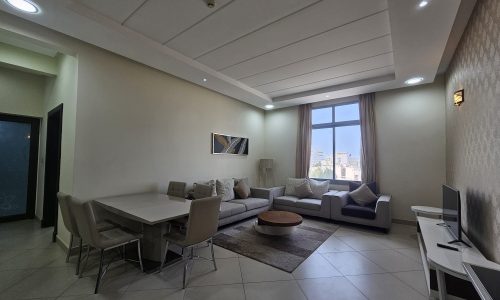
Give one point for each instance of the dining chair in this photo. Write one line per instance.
(201, 227)
(101, 240)
(176, 189)
(70, 224)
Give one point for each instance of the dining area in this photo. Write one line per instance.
(151, 231)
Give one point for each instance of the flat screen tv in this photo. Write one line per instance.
(452, 212)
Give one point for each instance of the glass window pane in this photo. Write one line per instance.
(348, 153)
(348, 112)
(322, 154)
(322, 115)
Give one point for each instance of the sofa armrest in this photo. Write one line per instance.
(267, 193)
(338, 199)
(383, 212)
(383, 204)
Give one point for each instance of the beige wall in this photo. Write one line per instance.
(410, 128)
(138, 128)
(21, 93)
(473, 129)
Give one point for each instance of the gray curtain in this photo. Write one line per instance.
(303, 154)
(368, 152)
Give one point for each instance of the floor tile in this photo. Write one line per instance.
(352, 263)
(164, 294)
(392, 261)
(11, 277)
(315, 266)
(413, 253)
(254, 271)
(361, 243)
(33, 258)
(203, 273)
(277, 290)
(399, 241)
(338, 288)
(219, 252)
(415, 279)
(170, 277)
(43, 283)
(383, 287)
(218, 292)
(333, 244)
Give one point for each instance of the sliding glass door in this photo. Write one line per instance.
(18, 166)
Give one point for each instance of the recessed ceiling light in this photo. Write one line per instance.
(423, 3)
(414, 80)
(269, 106)
(24, 6)
(204, 80)
(327, 96)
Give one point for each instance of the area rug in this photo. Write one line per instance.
(283, 252)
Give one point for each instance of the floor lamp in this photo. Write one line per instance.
(266, 172)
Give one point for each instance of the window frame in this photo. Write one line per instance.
(334, 125)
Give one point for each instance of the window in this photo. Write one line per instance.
(336, 143)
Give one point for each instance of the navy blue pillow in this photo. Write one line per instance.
(355, 185)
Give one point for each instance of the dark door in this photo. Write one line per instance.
(18, 166)
(52, 167)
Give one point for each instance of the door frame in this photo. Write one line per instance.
(33, 163)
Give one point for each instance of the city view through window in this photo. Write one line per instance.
(336, 130)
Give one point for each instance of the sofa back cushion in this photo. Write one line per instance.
(363, 195)
(303, 190)
(354, 185)
(225, 188)
(291, 184)
(242, 190)
(319, 188)
(202, 191)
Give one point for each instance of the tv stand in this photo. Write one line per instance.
(459, 241)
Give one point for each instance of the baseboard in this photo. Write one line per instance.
(404, 222)
(61, 243)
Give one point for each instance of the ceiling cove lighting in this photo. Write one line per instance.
(24, 6)
(414, 80)
(269, 106)
(423, 4)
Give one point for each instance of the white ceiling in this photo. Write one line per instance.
(284, 52)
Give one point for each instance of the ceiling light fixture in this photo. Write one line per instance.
(269, 106)
(414, 80)
(327, 96)
(204, 80)
(24, 6)
(211, 3)
(423, 3)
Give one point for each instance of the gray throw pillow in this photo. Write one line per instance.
(363, 195)
(242, 190)
(303, 190)
(319, 188)
(210, 183)
(225, 188)
(202, 191)
(291, 184)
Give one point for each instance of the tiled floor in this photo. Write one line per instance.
(354, 263)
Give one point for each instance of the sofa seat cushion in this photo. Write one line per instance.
(252, 203)
(312, 204)
(228, 209)
(286, 200)
(364, 212)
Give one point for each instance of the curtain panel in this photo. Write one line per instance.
(303, 155)
(368, 151)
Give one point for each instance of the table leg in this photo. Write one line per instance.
(441, 284)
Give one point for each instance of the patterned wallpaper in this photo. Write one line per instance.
(473, 129)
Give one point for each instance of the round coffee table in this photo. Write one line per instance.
(277, 222)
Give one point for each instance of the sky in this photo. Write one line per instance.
(347, 138)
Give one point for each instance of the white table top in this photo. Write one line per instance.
(150, 208)
(428, 210)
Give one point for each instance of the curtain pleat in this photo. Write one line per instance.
(303, 154)
(368, 151)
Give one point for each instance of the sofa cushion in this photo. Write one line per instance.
(363, 195)
(228, 209)
(251, 203)
(357, 211)
(319, 187)
(202, 191)
(242, 190)
(354, 185)
(225, 188)
(313, 204)
(286, 200)
(303, 190)
(291, 184)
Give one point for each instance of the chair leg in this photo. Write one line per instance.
(164, 257)
(98, 282)
(69, 247)
(79, 257)
(139, 254)
(213, 254)
(85, 263)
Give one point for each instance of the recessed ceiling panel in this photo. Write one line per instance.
(356, 67)
(374, 26)
(162, 20)
(335, 58)
(244, 17)
(116, 10)
(336, 81)
(314, 20)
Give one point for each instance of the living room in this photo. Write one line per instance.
(137, 114)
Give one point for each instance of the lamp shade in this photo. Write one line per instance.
(266, 163)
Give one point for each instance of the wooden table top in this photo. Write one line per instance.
(279, 218)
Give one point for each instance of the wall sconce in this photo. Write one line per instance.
(458, 97)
